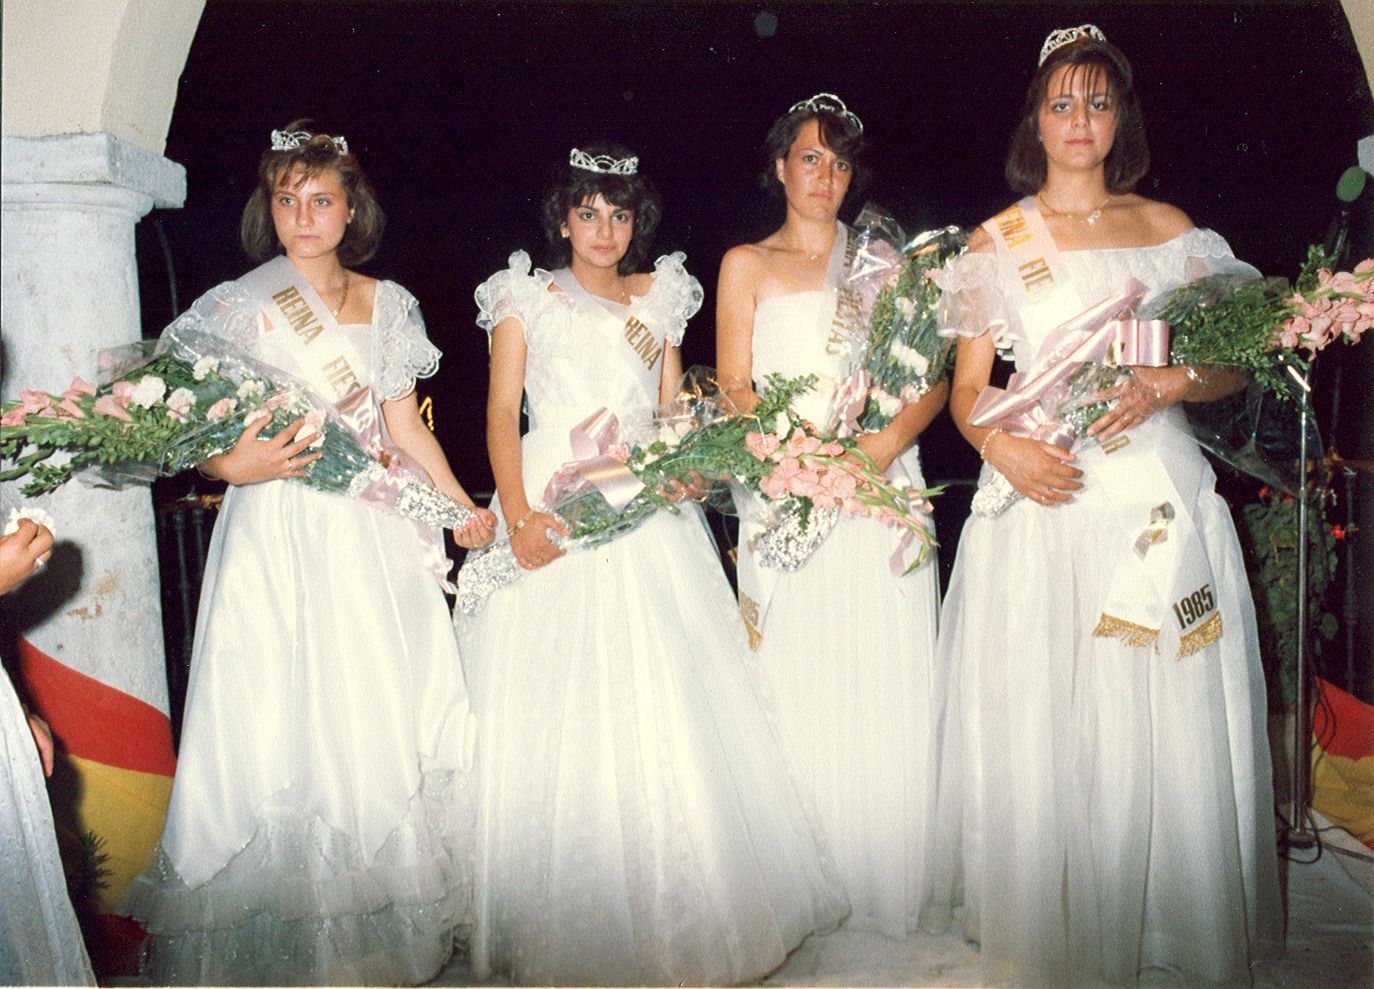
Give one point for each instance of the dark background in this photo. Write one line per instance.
(457, 110)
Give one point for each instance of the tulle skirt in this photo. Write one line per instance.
(1110, 808)
(637, 823)
(316, 830)
(848, 656)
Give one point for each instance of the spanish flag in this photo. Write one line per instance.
(1343, 761)
(117, 780)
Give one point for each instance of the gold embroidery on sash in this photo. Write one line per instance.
(643, 341)
(1035, 274)
(298, 313)
(341, 377)
(1111, 627)
(841, 338)
(1011, 222)
(749, 611)
(1201, 637)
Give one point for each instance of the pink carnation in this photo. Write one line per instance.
(221, 410)
(618, 451)
(123, 390)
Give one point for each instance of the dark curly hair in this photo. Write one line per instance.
(1129, 159)
(569, 187)
(257, 232)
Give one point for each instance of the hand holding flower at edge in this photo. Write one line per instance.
(253, 460)
(22, 552)
(42, 738)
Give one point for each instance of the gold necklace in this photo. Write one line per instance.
(343, 299)
(1088, 218)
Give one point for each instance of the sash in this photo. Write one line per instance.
(1042, 292)
(637, 345)
(300, 327)
(306, 341)
(1162, 592)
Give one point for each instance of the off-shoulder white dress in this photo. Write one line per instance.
(1113, 804)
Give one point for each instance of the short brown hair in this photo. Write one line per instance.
(362, 237)
(570, 186)
(841, 134)
(1129, 159)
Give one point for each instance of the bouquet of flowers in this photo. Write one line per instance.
(623, 472)
(1242, 322)
(903, 354)
(169, 406)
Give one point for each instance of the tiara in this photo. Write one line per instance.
(1067, 36)
(828, 103)
(289, 140)
(604, 164)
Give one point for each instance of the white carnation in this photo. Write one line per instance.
(206, 365)
(251, 390)
(148, 392)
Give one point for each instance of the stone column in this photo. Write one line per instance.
(68, 288)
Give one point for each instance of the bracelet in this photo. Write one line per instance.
(983, 446)
(524, 521)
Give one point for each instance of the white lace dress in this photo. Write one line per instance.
(40, 942)
(637, 824)
(1113, 805)
(311, 830)
(847, 650)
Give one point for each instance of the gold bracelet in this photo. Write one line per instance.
(524, 521)
(983, 446)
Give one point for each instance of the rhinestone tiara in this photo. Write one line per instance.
(289, 140)
(604, 164)
(828, 103)
(1066, 36)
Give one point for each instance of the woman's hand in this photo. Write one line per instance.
(530, 542)
(253, 460)
(1145, 392)
(22, 552)
(479, 529)
(1041, 471)
(696, 488)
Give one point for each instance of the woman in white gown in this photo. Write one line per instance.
(846, 647)
(40, 941)
(636, 822)
(1106, 773)
(310, 833)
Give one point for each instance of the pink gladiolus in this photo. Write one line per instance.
(123, 391)
(761, 444)
(14, 417)
(71, 408)
(831, 449)
(35, 401)
(221, 410)
(109, 405)
(800, 442)
(78, 388)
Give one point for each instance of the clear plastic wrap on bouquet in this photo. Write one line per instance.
(164, 406)
(898, 351)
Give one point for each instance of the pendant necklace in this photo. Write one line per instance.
(1088, 218)
(343, 298)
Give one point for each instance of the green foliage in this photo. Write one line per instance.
(1269, 535)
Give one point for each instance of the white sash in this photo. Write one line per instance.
(1162, 591)
(300, 327)
(634, 342)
